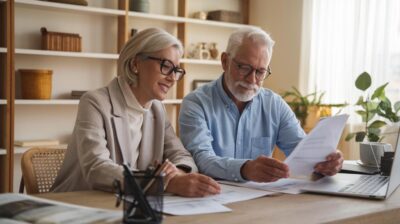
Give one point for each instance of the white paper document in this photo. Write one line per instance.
(20, 208)
(316, 146)
(287, 185)
(176, 205)
(194, 207)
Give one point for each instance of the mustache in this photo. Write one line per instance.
(247, 85)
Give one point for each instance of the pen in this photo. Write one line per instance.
(156, 172)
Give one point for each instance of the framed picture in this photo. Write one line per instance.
(197, 83)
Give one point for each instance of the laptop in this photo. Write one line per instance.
(357, 185)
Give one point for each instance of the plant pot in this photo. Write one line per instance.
(371, 153)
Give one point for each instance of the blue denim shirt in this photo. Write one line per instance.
(221, 139)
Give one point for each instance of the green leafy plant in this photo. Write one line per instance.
(301, 103)
(376, 111)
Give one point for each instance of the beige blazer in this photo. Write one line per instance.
(100, 142)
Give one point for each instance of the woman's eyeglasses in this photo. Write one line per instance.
(167, 67)
(245, 70)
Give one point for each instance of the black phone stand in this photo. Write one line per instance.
(142, 196)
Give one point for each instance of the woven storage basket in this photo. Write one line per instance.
(36, 83)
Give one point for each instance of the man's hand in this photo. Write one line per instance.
(332, 165)
(193, 185)
(264, 169)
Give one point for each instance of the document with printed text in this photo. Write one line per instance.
(176, 205)
(286, 185)
(316, 146)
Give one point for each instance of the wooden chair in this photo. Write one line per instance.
(40, 167)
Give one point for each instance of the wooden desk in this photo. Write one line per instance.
(303, 208)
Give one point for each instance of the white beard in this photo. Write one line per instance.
(252, 89)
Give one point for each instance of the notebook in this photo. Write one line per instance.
(356, 185)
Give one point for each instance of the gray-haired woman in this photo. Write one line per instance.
(125, 122)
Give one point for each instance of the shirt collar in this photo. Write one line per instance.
(130, 99)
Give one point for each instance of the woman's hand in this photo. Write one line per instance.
(170, 171)
(193, 185)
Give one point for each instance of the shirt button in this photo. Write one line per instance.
(236, 179)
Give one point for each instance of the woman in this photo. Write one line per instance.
(125, 122)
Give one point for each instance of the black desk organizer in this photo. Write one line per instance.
(142, 196)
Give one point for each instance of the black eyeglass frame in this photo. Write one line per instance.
(266, 74)
(177, 70)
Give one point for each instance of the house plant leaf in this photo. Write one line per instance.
(397, 106)
(377, 124)
(380, 92)
(363, 81)
(350, 136)
(360, 136)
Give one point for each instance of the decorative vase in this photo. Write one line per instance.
(139, 5)
(214, 53)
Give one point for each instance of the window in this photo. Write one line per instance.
(349, 37)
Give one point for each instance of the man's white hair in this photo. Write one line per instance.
(254, 34)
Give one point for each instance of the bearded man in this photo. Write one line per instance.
(232, 124)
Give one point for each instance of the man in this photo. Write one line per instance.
(232, 124)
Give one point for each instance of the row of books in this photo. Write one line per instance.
(57, 41)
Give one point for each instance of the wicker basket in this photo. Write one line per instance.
(225, 16)
(36, 83)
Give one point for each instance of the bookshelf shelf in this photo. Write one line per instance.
(66, 54)
(69, 7)
(75, 102)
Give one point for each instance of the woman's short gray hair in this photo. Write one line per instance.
(254, 34)
(144, 42)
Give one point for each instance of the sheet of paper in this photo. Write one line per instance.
(229, 194)
(194, 207)
(287, 185)
(316, 146)
(176, 205)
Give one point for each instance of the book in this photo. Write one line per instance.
(44, 142)
(21, 208)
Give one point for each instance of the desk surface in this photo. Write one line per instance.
(302, 208)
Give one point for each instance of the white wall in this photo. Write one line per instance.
(283, 20)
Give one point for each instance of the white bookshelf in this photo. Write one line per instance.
(75, 102)
(200, 62)
(3, 151)
(66, 54)
(46, 102)
(116, 12)
(34, 52)
(177, 19)
(69, 7)
(3, 102)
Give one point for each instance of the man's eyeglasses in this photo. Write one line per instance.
(245, 70)
(167, 67)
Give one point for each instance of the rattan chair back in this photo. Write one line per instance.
(40, 167)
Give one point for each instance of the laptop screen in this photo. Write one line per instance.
(395, 174)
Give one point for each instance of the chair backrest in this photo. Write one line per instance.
(40, 167)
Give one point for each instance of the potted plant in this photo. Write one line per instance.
(308, 108)
(376, 112)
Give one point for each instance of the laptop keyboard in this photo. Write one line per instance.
(366, 185)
